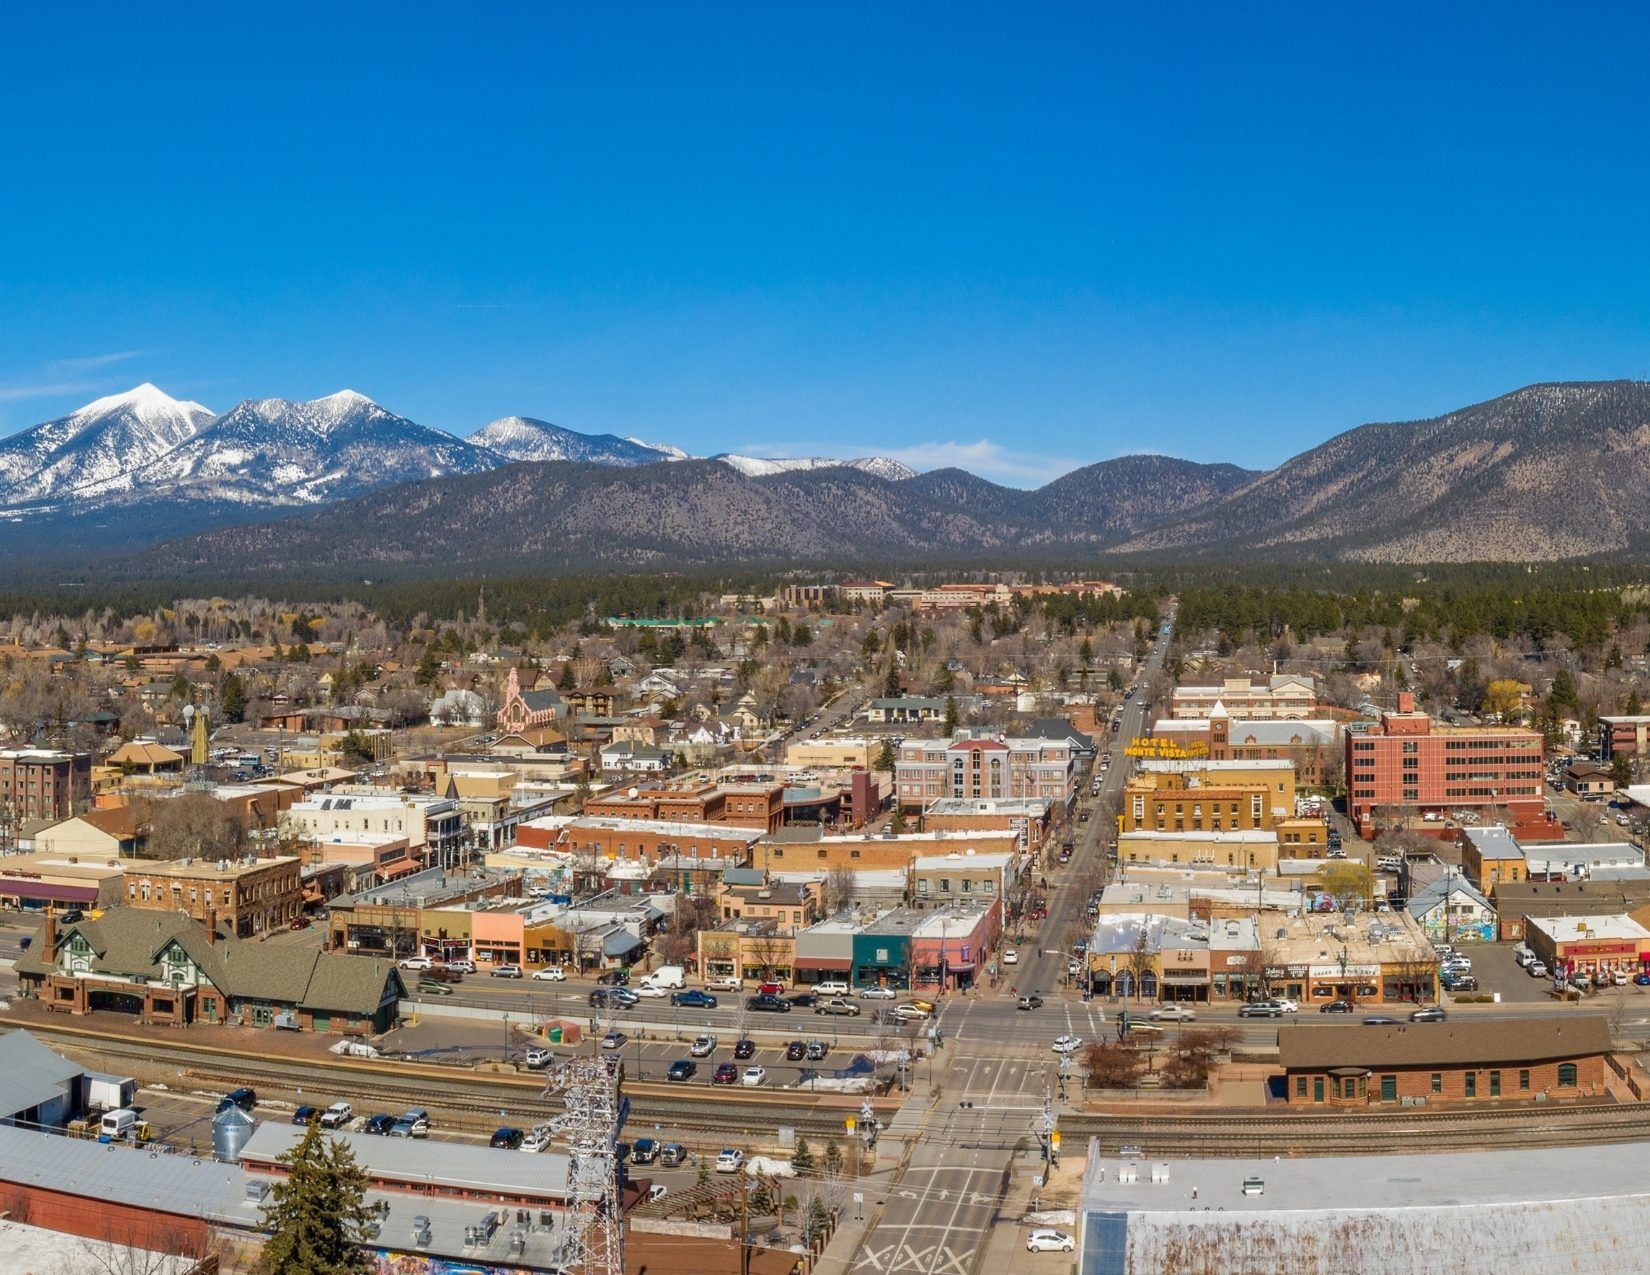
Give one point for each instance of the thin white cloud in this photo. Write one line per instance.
(19, 393)
(58, 377)
(91, 362)
(987, 459)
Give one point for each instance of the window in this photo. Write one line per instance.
(1437, 1082)
(1566, 1075)
(1389, 1088)
(1300, 1086)
(1495, 1084)
(1471, 1080)
(922, 885)
(1524, 1078)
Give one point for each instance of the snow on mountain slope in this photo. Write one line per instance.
(95, 444)
(523, 438)
(762, 466)
(275, 451)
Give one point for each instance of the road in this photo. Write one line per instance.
(998, 1067)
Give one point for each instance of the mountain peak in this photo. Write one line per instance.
(142, 400)
(347, 398)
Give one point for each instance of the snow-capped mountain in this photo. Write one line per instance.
(762, 466)
(275, 451)
(95, 444)
(523, 438)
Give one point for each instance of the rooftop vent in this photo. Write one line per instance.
(1254, 1186)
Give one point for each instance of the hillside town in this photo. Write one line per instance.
(830, 858)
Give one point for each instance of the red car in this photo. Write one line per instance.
(770, 989)
(726, 1074)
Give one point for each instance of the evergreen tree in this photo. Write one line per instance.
(802, 1158)
(1634, 706)
(1621, 769)
(565, 682)
(891, 687)
(885, 757)
(318, 1212)
(232, 699)
(428, 672)
(833, 1157)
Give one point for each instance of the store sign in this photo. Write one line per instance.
(1602, 947)
(1286, 971)
(1165, 749)
(1351, 971)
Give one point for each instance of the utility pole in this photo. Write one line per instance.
(1047, 1131)
(593, 1234)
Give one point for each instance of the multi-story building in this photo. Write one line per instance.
(431, 825)
(845, 752)
(250, 896)
(938, 880)
(984, 766)
(41, 783)
(602, 839)
(872, 592)
(754, 805)
(1624, 734)
(1283, 696)
(1311, 746)
(1414, 767)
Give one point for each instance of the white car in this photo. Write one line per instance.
(1049, 1241)
(754, 1076)
(730, 1160)
(418, 963)
(1289, 1006)
(1011, 957)
(550, 974)
(537, 1140)
(1173, 1013)
(875, 993)
(1067, 1044)
(651, 990)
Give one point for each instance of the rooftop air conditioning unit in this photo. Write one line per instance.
(1254, 1186)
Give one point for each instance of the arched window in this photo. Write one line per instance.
(1566, 1075)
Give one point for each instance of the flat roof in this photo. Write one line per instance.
(1037, 806)
(206, 867)
(1242, 836)
(455, 1165)
(1572, 929)
(667, 828)
(991, 859)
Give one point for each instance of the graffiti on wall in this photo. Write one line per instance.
(389, 1262)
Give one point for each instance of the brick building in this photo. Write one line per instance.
(757, 805)
(1415, 767)
(1280, 697)
(1623, 734)
(1464, 1060)
(247, 896)
(1588, 944)
(645, 841)
(976, 767)
(1312, 747)
(42, 783)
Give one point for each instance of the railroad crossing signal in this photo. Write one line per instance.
(849, 1123)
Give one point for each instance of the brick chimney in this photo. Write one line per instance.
(1406, 701)
(48, 937)
(211, 925)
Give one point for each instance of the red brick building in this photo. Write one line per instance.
(1416, 767)
(1462, 1061)
(43, 783)
(760, 806)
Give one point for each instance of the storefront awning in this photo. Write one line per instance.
(1184, 980)
(17, 887)
(821, 963)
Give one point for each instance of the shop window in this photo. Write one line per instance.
(1566, 1075)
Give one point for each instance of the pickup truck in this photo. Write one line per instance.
(837, 1005)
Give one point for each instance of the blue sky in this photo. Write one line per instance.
(1018, 238)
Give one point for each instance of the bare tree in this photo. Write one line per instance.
(192, 825)
(840, 883)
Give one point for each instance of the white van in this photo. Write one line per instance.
(117, 1124)
(665, 978)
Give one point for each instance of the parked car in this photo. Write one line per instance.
(618, 997)
(753, 1076)
(795, 1051)
(537, 1140)
(727, 984)
(768, 1005)
(1047, 1240)
(651, 990)
(730, 1160)
(550, 974)
(463, 965)
(770, 988)
(817, 1049)
(418, 963)
(613, 978)
(694, 999)
(614, 1040)
(1536, 969)
(703, 1046)
(506, 971)
(337, 1116)
(875, 993)
(726, 1074)
(538, 1058)
(380, 1124)
(1067, 1044)
(305, 1114)
(682, 1069)
(507, 1138)
(744, 1048)
(1030, 1001)
(1173, 1013)
(1011, 957)
(1336, 1007)
(245, 1099)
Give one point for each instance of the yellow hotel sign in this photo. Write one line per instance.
(1166, 749)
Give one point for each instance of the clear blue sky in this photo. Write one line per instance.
(1020, 237)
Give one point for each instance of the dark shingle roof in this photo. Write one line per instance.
(1461, 1042)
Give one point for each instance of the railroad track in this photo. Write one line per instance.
(463, 1099)
(1410, 1131)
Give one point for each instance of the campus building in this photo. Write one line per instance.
(1281, 696)
(991, 766)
